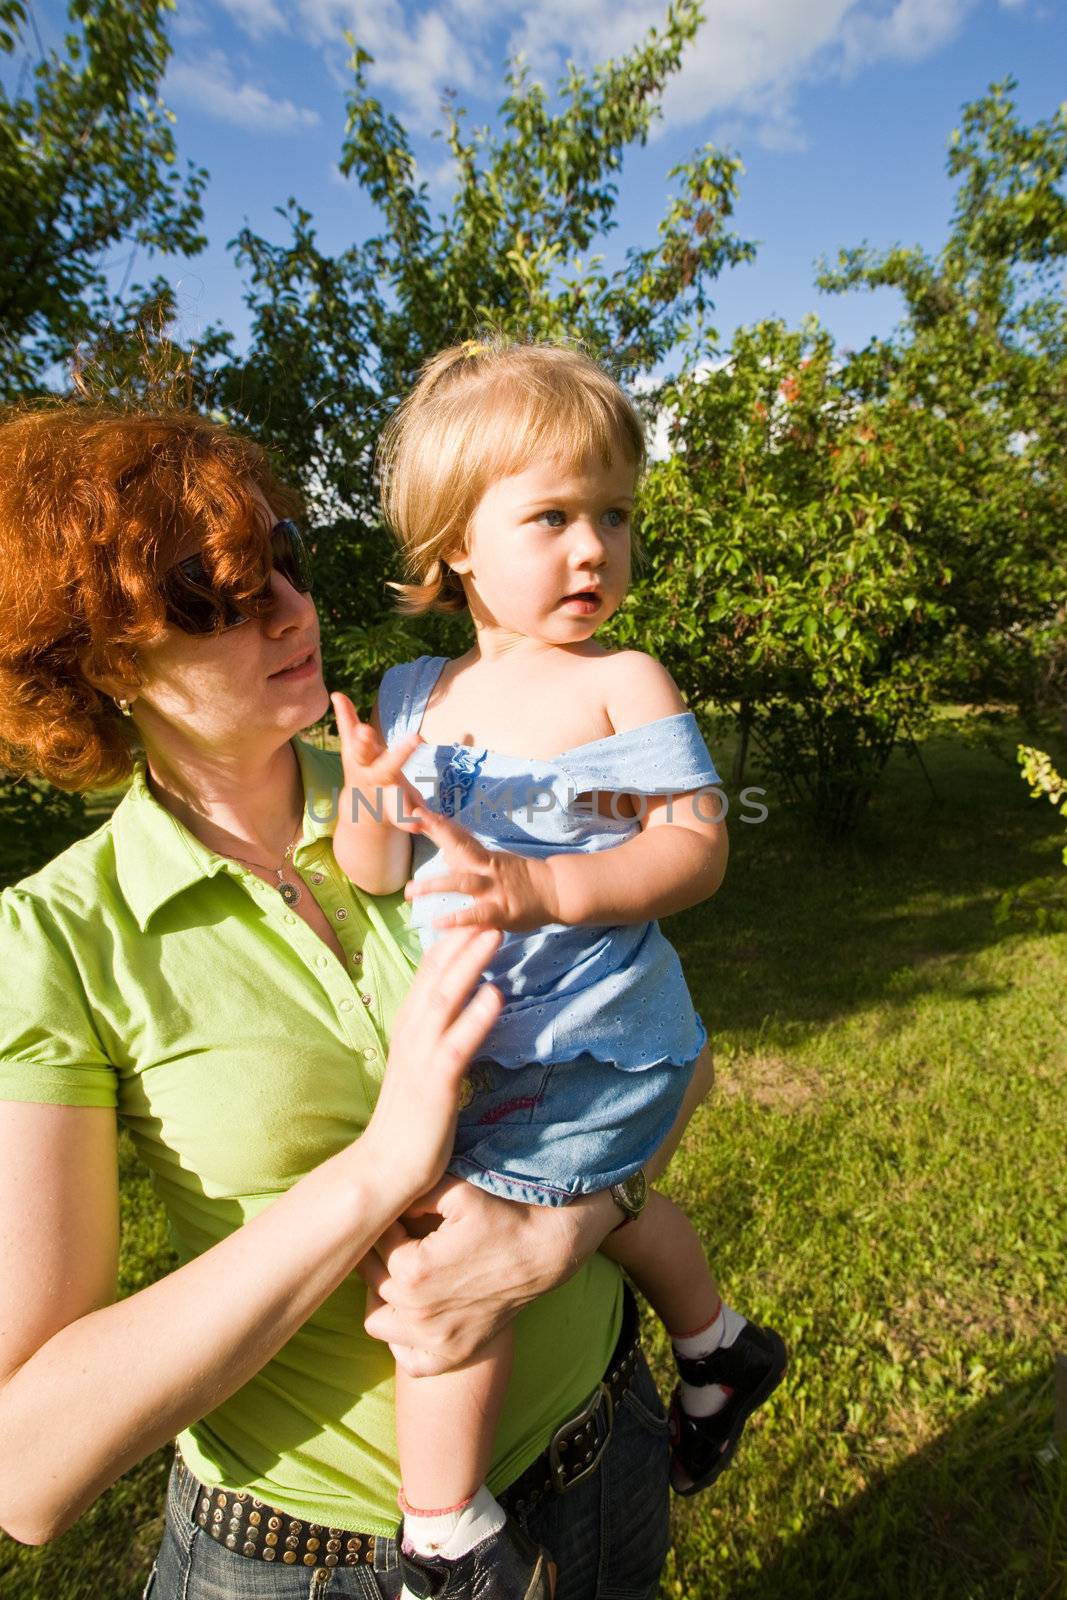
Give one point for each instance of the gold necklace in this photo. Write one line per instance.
(290, 892)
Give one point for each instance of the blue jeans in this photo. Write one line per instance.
(608, 1534)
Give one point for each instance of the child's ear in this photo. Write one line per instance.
(459, 561)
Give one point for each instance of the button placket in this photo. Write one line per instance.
(335, 977)
(353, 992)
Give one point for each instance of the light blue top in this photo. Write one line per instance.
(616, 993)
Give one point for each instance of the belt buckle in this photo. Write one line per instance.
(569, 1431)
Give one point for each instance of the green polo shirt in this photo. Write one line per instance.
(143, 972)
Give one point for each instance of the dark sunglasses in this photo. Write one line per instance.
(195, 606)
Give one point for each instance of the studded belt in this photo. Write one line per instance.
(250, 1527)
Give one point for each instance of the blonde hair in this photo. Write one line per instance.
(481, 411)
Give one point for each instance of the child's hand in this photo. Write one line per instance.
(509, 891)
(374, 768)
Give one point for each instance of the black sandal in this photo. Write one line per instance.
(751, 1368)
(505, 1566)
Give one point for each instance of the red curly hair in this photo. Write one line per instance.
(95, 505)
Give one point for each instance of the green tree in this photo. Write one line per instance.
(337, 339)
(786, 579)
(839, 538)
(87, 164)
(983, 354)
(36, 822)
(1044, 780)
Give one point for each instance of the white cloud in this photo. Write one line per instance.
(256, 16)
(751, 56)
(210, 84)
(911, 30)
(742, 71)
(189, 19)
(418, 52)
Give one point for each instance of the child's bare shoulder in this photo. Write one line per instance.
(638, 689)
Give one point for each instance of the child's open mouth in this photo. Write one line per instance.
(583, 603)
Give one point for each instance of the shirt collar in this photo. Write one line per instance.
(156, 857)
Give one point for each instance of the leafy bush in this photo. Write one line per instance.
(841, 537)
(37, 822)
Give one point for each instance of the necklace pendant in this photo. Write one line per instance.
(289, 893)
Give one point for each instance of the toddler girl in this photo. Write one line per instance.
(508, 478)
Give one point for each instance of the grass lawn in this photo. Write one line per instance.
(879, 1173)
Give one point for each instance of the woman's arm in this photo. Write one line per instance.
(440, 1295)
(89, 1386)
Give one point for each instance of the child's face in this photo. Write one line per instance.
(548, 550)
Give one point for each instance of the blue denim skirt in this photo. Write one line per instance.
(547, 1134)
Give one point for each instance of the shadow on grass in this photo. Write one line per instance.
(977, 1515)
(803, 932)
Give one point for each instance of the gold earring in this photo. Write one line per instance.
(124, 706)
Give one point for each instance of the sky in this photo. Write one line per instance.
(839, 109)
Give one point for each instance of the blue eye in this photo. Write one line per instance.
(620, 518)
(560, 514)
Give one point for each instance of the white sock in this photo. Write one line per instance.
(453, 1532)
(703, 1400)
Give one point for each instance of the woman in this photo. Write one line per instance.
(199, 971)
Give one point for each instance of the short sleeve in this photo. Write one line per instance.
(667, 756)
(395, 703)
(49, 1048)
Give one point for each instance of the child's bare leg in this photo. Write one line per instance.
(662, 1253)
(726, 1365)
(445, 1428)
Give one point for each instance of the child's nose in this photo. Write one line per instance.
(588, 544)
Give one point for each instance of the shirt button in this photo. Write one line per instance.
(369, 1053)
(357, 956)
(318, 877)
(345, 1005)
(289, 917)
(324, 961)
(367, 1001)
(340, 913)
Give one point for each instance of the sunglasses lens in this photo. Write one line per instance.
(195, 606)
(291, 556)
(192, 604)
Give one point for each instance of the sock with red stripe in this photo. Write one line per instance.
(704, 1399)
(453, 1531)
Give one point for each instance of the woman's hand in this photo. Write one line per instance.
(438, 1030)
(437, 1298)
(508, 891)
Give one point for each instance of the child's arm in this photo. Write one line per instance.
(670, 865)
(677, 860)
(679, 857)
(374, 850)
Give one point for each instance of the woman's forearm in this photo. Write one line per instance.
(113, 1386)
(81, 1405)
